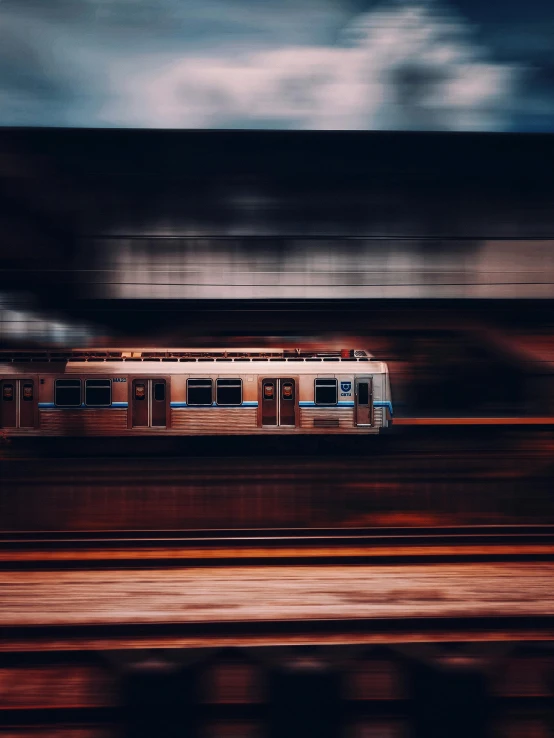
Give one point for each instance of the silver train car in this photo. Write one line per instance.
(192, 392)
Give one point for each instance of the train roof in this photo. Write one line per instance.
(185, 355)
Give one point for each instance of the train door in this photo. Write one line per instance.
(149, 404)
(278, 401)
(18, 403)
(364, 400)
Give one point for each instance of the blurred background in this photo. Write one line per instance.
(309, 174)
(433, 251)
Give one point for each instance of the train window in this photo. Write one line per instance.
(159, 391)
(363, 393)
(229, 391)
(98, 392)
(287, 391)
(325, 391)
(199, 391)
(7, 393)
(27, 393)
(269, 391)
(140, 391)
(67, 392)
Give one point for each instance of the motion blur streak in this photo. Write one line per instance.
(20, 325)
(319, 268)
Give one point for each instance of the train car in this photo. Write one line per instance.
(192, 392)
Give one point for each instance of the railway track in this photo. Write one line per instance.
(164, 549)
(69, 637)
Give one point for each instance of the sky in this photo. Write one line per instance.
(465, 65)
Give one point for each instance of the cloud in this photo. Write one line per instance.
(242, 64)
(400, 67)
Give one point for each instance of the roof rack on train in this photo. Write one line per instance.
(85, 355)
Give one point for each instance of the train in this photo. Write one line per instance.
(118, 392)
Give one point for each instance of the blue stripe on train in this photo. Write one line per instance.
(384, 403)
(178, 405)
(52, 406)
(377, 403)
(343, 404)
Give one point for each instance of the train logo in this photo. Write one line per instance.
(346, 387)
